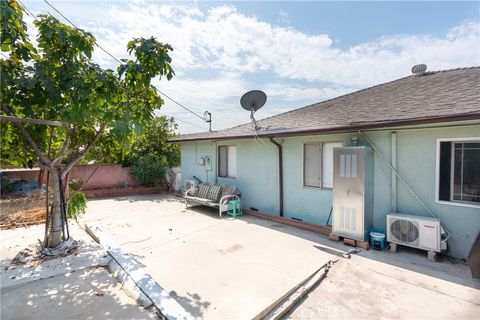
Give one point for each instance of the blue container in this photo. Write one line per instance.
(377, 240)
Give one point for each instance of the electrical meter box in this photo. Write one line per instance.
(352, 192)
(208, 163)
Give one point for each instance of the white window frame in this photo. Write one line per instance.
(321, 144)
(437, 173)
(323, 162)
(219, 162)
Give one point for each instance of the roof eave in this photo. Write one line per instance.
(352, 127)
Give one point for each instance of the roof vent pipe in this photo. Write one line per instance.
(419, 70)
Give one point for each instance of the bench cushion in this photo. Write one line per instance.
(215, 192)
(230, 190)
(203, 190)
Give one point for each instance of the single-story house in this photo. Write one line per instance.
(425, 127)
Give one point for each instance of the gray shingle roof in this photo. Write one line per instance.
(436, 96)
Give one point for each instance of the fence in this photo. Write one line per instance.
(96, 176)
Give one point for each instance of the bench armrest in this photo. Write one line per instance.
(229, 197)
(189, 190)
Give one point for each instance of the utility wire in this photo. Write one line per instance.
(178, 103)
(186, 122)
(73, 24)
(113, 57)
(28, 10)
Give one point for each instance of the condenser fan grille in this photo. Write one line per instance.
(404, 230)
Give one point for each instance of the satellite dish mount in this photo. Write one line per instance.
(207, 116)
(253, 101)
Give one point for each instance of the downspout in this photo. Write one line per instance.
(280, 174)
(215, 170)
(394, 176)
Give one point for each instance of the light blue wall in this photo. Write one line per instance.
(257, 170)
(306, 203)
(257, 178)
(190, 161)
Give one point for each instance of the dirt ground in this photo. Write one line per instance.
(22, 212)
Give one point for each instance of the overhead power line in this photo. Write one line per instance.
(183, 121)
(28, 10)
(73, 24)
(113, 57)
(178, 103)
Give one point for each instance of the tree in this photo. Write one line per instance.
(57, 80)
(153, 143)
(108, 149)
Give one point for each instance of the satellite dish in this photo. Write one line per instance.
(253, 100)
(419, 69)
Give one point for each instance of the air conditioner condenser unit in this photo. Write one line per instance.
(190, 184)
(418, 232)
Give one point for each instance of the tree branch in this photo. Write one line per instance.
(63, 150)
(28, 137)
(79, 156)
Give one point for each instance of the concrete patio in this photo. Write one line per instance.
(73, 287)
(234, 268)
(215, 268)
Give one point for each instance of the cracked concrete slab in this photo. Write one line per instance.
(364, 289)
(77, 286)
(233, 268)
(215, 268)
(90, 293)
(137, 279)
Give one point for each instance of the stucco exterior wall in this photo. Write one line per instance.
(257, 178)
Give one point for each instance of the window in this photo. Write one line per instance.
(227, 161)
(459, 171)
(312, 164)
(327, 181)
(318, 164)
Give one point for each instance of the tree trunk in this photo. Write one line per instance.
(41, 173)
(54, 234)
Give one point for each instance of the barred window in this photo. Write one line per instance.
(459, 171)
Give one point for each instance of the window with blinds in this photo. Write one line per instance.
(227, 161)
(318, 164)
(312, 165)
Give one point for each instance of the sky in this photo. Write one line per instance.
(298, 53)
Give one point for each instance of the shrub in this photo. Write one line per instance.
(148, 170)
(77, 204)
(75, 184)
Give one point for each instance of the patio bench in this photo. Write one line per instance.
(212, 195)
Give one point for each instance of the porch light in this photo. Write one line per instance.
(355, 141)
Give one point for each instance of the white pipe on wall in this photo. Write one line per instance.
(394, 176)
